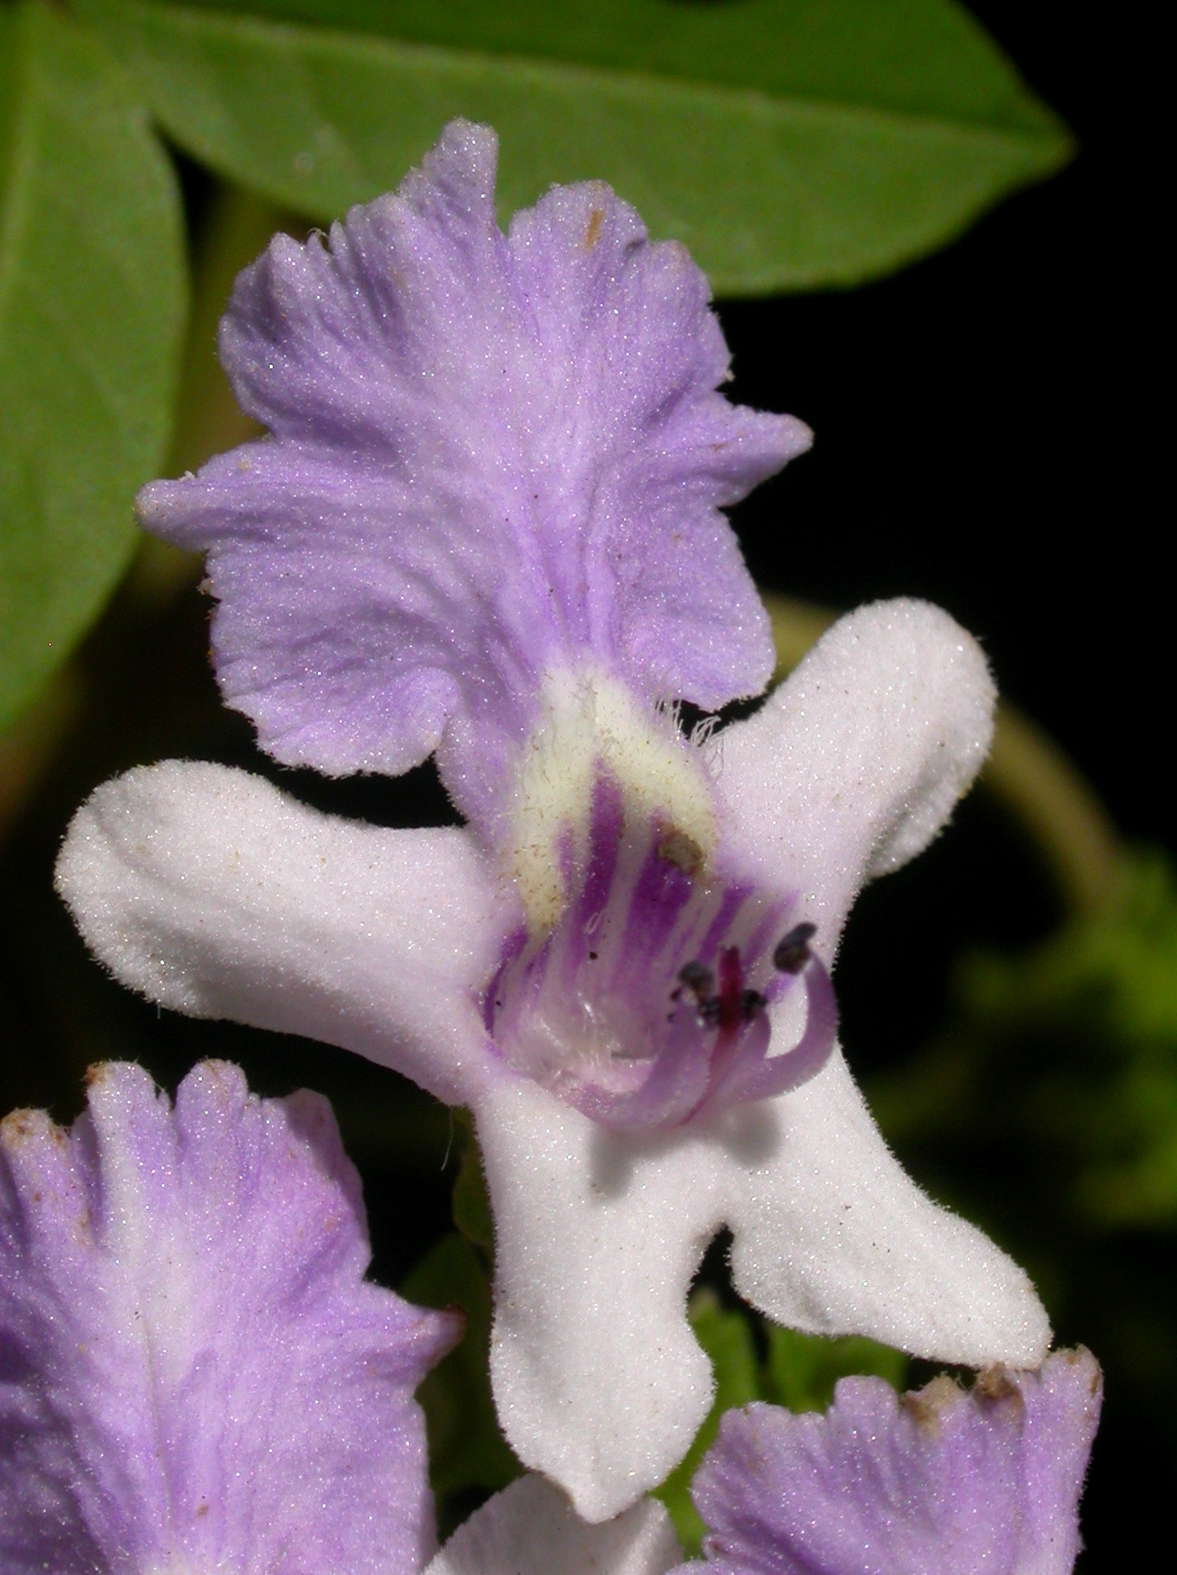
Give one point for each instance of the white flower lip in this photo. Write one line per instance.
(212, 893)
(531, 1529)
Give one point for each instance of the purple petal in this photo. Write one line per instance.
(492, 456)
(193, 1373)
(938, 1483)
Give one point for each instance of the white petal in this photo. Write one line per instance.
(598, 1380)
(855, 763)
(597, 1377)
(206, 889)
(530, 1528)
(832, 1236)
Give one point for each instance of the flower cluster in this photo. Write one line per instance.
(486, 527)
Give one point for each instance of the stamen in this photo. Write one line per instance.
(647, 1005)
(752, 1003)
(698, 980)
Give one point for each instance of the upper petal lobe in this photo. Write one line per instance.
(491, 457)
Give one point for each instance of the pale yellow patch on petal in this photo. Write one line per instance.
(591, 723)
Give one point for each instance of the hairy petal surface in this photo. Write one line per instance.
(206, 889)
(193, 1373)
(833, 1237)
(530, 1528)
(855, 763)
(598, 1235)
(492, 457)
(939, 1482)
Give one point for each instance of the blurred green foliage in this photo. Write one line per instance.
(1070, 1048)
(756, 1360)
(1046, 1110)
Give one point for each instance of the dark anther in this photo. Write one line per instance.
(751, 1002)
(792, 951)
(698, 979)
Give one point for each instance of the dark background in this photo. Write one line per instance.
(984, 435)
(986, 427)
(984, 438)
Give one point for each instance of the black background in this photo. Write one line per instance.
(987, 425)
(986, 422)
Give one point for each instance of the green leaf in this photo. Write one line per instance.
(466, 1448)
(787, 143)
(92, 299)
(726, 1336)
(802, 1369)
(800, 1372)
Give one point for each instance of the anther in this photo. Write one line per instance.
(750, 1003)
(697, 978)
(792, 951)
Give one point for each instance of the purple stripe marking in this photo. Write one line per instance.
(660, 893)
(734, 896)
(648, 918)
(605, 827)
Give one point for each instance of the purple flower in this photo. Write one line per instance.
(495, 461)
(938, 1482)
(193, 1374)
(487, 525)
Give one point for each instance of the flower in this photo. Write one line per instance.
(193, 1373)
(939, 1482)
(531, 1529)
(487, 525)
